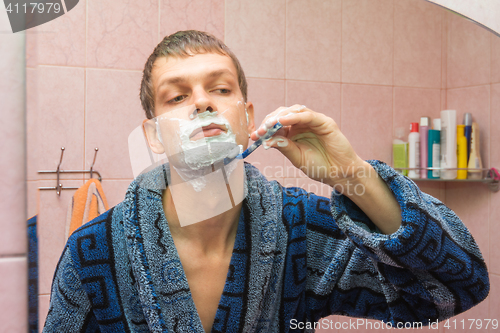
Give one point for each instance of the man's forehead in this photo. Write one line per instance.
(175, 68)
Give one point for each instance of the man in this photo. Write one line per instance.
(283, 258)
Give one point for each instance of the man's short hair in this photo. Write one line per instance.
(184, 44)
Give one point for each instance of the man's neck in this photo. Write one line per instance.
(212, 236)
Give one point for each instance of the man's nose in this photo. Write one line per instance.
(203, 102)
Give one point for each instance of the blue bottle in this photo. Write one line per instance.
(468, 132)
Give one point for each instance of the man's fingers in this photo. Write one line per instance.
(271, 119)
(286, 146)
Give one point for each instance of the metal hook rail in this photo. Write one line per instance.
(59, 187)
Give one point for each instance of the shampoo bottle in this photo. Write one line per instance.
(434, 149)
(468, 131)
(414, 151)
(475, 158)
(400, 152)
(448, 144)
(424, 132)
(461, 152)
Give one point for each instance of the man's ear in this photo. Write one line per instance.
(152, 136)
(251, 120)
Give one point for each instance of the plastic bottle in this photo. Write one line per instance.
(400, 151)
(468, 131)
(448, 144)
(475, 157)
(424, 133)
(434, 149)
(461, 152)
(414, 151)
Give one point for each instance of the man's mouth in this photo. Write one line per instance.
(207, 131)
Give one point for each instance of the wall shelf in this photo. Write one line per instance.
(490, 176)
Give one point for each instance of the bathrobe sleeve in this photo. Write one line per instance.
(431, 268)
(70, 308)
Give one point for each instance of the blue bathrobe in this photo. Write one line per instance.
(297, 258)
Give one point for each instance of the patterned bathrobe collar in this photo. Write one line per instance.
(249, 295)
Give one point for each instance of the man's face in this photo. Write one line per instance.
(208, 81)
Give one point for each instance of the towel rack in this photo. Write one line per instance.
(59, 187)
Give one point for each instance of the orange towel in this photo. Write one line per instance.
(87, 203)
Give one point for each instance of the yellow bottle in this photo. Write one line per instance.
(461, 152)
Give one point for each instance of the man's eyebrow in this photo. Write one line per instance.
(181, 79)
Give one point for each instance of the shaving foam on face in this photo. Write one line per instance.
(197, 158)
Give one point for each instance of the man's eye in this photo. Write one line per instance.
(177, 99)
(223, 91)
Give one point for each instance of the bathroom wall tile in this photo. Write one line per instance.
(52, 230)
(412, 103)
(313, 40)
(255, 32)
(444, 48)
(43, 310)
(60, 119)
(31, 199)
(367, 120)
(494, 234)
(31, 48)
(494, 301)
(318, 96)
(31, 122)
(12, 136)
(14, 304)
(266, 96)
(62, 41)
(417, 44)
(115, 190)
(121, 34)
(495, 125)
(367, 41)
(468, 53)
(444, 101)
(201, 15)
(470, 202)
(495, 58)
(475, 100)
(495, 197)
(113, 112)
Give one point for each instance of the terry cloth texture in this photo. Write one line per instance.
(296, 256)
(32, 275)
(88, 203)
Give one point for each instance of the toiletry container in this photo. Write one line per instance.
(468, 131)
(400, 152)
(475, 157)
(448, 144)
(424, 132)
(461, 152)
(414, 151)
(434, 149)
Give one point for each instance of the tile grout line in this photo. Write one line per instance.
(87, 67)
(348, 83)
